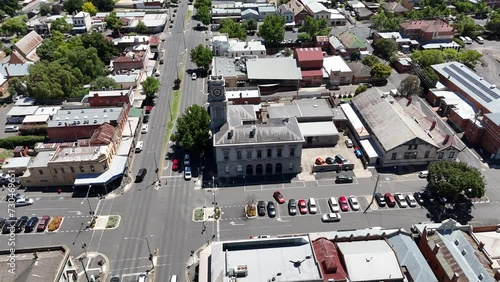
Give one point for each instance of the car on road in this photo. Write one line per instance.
(20, 224)
(21, 202)
(319, 161)
(143, 277)
(14, 197)
(175, 164)
(419, 198)
(344, 206)
(400, 199)
(187, 173)
(313, 207)
(330, 160)
(334, 204)
(141, 174)
(354, 203)
(331, 217)
(194, 76)
(139, 146)
(9, 225)
(302, 206)
(292, 207)
(11, 128)
(261, 208)
(279, 197)
(357, 152)
(380, 199)
(411, 201)
(343, 179)
(31, 224)
(149, 109)
(187, 159)
(333, 87)
(389, 199)
(115, 279)
(423, 174)
(348, 143)
(145, 119)
(271, 209)
(42, 224)
(4, 182)
(340, 159)
(144, 129)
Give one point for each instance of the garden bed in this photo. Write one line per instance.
(55, 223)
(113, 221)
(251, 211)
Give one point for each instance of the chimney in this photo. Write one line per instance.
(455, 277)
(446, 138)
(409, 101)
(433, 125)
(436, 249)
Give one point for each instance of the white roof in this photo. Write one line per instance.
(354, 119)
(461, 106)
(125, 146)
(369, 148)
(317, 7)
(22, 111)
(19, 162)
(335, 63)
(324, 128)
(441, 45)
(244, 93)
(273, 69)
(115, 169)
(36, 118)
(47, 110)
(356, 4)
(246, 46)
(370, 261)
(130, 127)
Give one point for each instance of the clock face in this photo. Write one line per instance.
(217, 92)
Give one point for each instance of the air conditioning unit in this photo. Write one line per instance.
(241, 271)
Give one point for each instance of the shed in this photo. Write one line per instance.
(319, 134)
(16, 166)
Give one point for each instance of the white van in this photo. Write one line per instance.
(468, 40)
(139, 146)
(173, 278)
(479, 40)
(313, 207)
(334, 204)
(463, 39)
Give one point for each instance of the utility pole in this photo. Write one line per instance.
(157, 170)
(91, 212)
(84, 269)
(373, 195)
(150, 254)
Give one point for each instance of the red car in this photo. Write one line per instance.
(42, 224)
(344, 206)
(278, 197)
(302, 206)
(149, 109)
(175, 164)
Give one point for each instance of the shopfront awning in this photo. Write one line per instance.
(116, 169)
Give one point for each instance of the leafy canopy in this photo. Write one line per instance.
(385, 22)
(61, 25)
(102, 82)
(450, 179)
(410, 86)
(204, 15)
(104, 5)
(113, 22)
(381, 70)
(370, 60)
(89, 8)
(493, 24)
(105, 48)
(201, 56)
(193, 129)
(141, 27)
(314, 27)
(72, 6)
(10, 6)
(273, 29)
(386, 47)
(150, 86)
(233, 29)
(16, 25)
(426, 58)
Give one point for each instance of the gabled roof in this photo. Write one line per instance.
(28, 43)
(103, 134)
(249, 11)
(16, 58)
(351, 41)
(427, 26)
(309, 54)
(394, 7)
(316, 7)
(283, 8)
(295, 6)
(327, 255)
(387, 120)
(359, 69)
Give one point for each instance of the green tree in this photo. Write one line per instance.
(89, 8)
(370, 60)
(233, 29)
(61, 25)
(464, 7)
(355, 55)
(44, 10)
(304, 37)
(141, 27)
(383, 21)
(102, 82)
(204, 15)
(385, 47)
(427, 58)
(429, 76)
(16, 25)
(10, 7)
(360, 89)
(493, 24)
(466, 26)
(193, 129)
(16, 85)
(113, 22)
(315, 27)
(452, 179)
(105, 48)
(86, 61)
(201, 3)
(71, 6)
(104, 5)
(52, 80)
(49, 48)
(201, 56)
(150, 86)
(469, 58)
(381, 71)
(482, 10)
(273, 29)
(410, 86)
(250, 24)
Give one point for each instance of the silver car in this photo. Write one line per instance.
(331, 217)
(354, 203)
(400, 199)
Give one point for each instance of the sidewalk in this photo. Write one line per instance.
(92, 264)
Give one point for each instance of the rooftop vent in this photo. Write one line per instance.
(69, 112)
(82, 111)
(457, 242)
(241, 271)
(59, 123)
(480, 276)
(95, 121)
(464, 252)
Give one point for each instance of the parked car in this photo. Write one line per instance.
(115, 279)
(344, 206)
(389, 199)
(411, 201)
(19, 226)
(11, 128)
(187, 173)
(21, 202)
(145, 119)
(141, 174)
(343, 179)
(31, 224)
(144, 129)
(175, 164)
(331, 217)
(292, 207)
(187, 159)
(14, 197)
(357, 152)
(319, 161)
(279, 197)
(302, 206)
(313, 207)
(6, 181)
(400, 199)
(419, 198)
(354, 203)
(380, 199)
(261, 208)
(423, 174)
(194, 76)
(9, 225)
(42, 224)
(334, 204)
(348, 143)
(139, 146)
(330, 160)
(271, 209)
(340, 159)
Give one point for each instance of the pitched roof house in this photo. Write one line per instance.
(25, 49)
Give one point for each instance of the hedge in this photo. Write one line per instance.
(13, 141)
(38, 130)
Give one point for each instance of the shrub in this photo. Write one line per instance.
(251, 210)
(13, 141)
(198, 214)
(361, 89)
(39, 129)
(55, 223)
(349, 96)
(112, 221)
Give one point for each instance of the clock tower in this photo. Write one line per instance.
(217, 102)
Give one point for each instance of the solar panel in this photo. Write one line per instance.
(483, 87)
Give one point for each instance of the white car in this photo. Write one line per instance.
(194, 76)
(334, 204)
(11, 128)
(157, 73)
(144, 129)
(313, 208)
(411, 201)
(354, 203)
(400, 199)
(348, 143)
(187, 173)
(21, 202)
(331, 217)
(423, 174)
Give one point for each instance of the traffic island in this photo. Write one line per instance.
(106, 222)
(204, 214)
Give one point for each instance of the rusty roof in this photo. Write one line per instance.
(102, 135)
(28, 43)
(329, 261)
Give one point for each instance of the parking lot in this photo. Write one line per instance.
(3, 123)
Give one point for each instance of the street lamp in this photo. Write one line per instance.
(91, 212)
(84, 247)
(157, 170)
(149, 249)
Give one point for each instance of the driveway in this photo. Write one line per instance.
(491, 57)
